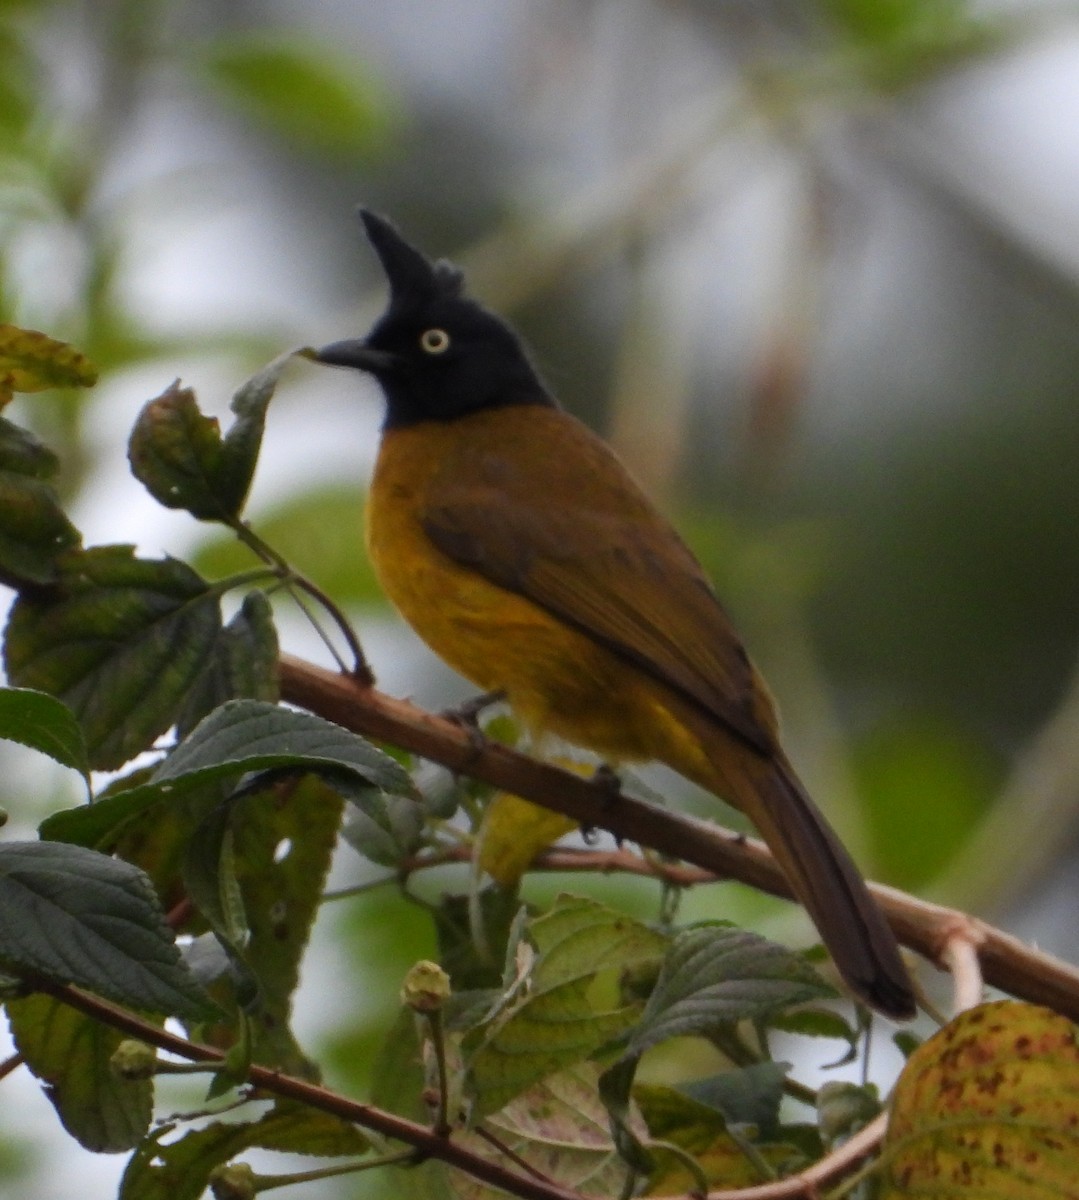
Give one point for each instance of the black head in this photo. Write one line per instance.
(437, 354)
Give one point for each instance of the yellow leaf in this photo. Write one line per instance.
(32, 361)
(514, 832)
(988, 1109)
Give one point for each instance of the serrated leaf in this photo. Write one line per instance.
(180, 1170)
(988, 1109)
(31, 362)
(76, 916)
(179, 455)
(44, 723)
(120, 640)
(238, 737)
(815, 1022)
(572, 1007)
(714, 975)
(69, 1053)
(241, 666)
(302, 89)
(560, 1129)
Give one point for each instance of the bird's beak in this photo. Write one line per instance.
(357, 354)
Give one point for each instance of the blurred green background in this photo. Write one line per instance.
(813, 267)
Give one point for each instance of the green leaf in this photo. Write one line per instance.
(238, 737)
(571, 1006)
(179, 455)
(44, 723)
(304, 90)
(724, 1159)
(714, 975)
(70, 1054)
(209, 875)
(283, 844)
(383, 827)
(844, 1108)
(747, 1096)
(180, 1170)
(35, 532)
(121, 640)
(76, 916)
(241, 666)
(23, 454)
(32, 361)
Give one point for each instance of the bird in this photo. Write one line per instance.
(519, 547)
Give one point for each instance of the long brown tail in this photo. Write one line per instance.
(821, 873)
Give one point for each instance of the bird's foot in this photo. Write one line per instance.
(468, 712)
(606, 777)
(467, 716)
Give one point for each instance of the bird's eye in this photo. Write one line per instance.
(434, 341)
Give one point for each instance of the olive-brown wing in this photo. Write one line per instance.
(631, 584)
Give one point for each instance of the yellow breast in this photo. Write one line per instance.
(556, 679)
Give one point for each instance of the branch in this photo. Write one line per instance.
(1006, 962)
(425, 1140)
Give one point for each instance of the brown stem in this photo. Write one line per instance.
(1006, 962)
(427, 1141)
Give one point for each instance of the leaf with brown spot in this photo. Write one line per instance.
(988, 1109)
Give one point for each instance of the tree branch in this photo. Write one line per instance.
(1006, 963)
(425, 1140)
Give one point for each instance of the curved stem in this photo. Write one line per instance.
(290, 578)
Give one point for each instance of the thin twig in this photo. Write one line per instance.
(425, 1140)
